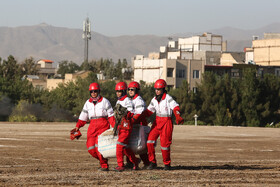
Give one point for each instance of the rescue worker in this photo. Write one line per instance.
(139, 107)
(124, 131)
(99, 111)
(163, 105)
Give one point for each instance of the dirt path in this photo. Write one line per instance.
(43, 154)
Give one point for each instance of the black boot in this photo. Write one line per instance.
(167, 167)
(152, 166)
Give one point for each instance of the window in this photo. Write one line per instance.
(235, 73)
(170, 72)
(194, 89)
(260, 72)
(180, 73)
(277, 72)
(196, 74)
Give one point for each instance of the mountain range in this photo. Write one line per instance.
(44, 41)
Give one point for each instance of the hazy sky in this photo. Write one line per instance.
(131, 17)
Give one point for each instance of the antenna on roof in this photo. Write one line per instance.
(86, 37)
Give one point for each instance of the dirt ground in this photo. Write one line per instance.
(42, 154)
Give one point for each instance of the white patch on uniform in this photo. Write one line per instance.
(125, 124)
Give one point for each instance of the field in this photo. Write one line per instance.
(42, 154)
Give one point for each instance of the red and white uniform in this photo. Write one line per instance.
(139, 107)
(101, 115)
(126, 102)
(124, 134)
(162, 127)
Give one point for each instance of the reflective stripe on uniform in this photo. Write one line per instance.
(97, 117)
(139, 106)
(120, 143)
(163, 115)
(165, 148)
(93, 147)
(85, 111)
(151, 141)
(170, 100)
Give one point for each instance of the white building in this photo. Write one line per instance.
(147, 69)
(205, 42)
(179, 59)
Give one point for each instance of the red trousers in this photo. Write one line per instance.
(122, 148)
(97, 127)
(163, 128)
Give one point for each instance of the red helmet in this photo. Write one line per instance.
(121, 86)
(94, 86)
(160, 83)
(134, 84)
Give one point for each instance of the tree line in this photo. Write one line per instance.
(219, 100)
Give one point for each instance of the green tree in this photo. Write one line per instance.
(5, 107)
(250, 97)
(236, 113)
(108, 91)
(208, 97)
(214, 94)
(270, 92)
(147, 91)
(186, 99)
(67, 67)
(29, 67)
(10, 69)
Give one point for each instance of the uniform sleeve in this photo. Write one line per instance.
(84, 114)
(112, 121)
(151, 106)
(109, 108)
(172, 103)
(139, 107)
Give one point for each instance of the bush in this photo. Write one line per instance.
(24, 112)
(277, 125)
(20, 118)
(58, 114)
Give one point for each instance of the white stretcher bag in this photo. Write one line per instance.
(138, 139)
(107, 144)
(137, 142)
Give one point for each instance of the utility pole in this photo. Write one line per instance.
(86, 37)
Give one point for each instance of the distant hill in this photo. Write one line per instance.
(57, 43)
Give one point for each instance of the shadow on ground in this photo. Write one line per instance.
(222, 167)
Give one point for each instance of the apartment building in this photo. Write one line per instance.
(230, 58)
(266, 52)
(174, 71)
(180, 60)
(45, 68)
